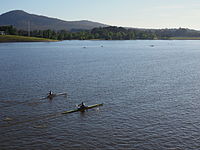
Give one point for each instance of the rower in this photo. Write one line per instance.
(50, 93)
(81, 106)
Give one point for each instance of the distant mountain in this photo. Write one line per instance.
(21, 19)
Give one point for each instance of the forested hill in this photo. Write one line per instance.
(181, 32)
(21, 20)
(18, 22)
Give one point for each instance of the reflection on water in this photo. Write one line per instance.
(150, 91)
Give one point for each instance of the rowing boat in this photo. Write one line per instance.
(86, 108)
(54, 95)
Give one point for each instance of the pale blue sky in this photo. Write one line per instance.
(129, 13)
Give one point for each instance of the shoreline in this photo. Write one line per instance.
(16, 38)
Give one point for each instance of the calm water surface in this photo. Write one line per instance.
(151, 95)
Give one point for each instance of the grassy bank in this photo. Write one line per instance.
(184, 38)
(15, 38)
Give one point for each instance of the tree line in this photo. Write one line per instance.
(104, 33)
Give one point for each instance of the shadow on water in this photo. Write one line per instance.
(31, 102)
(10, 123)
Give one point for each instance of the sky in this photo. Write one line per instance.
(127, 13)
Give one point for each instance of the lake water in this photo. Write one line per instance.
(150, 91)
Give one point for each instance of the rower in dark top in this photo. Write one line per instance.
(50, 93)
(82, 106)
